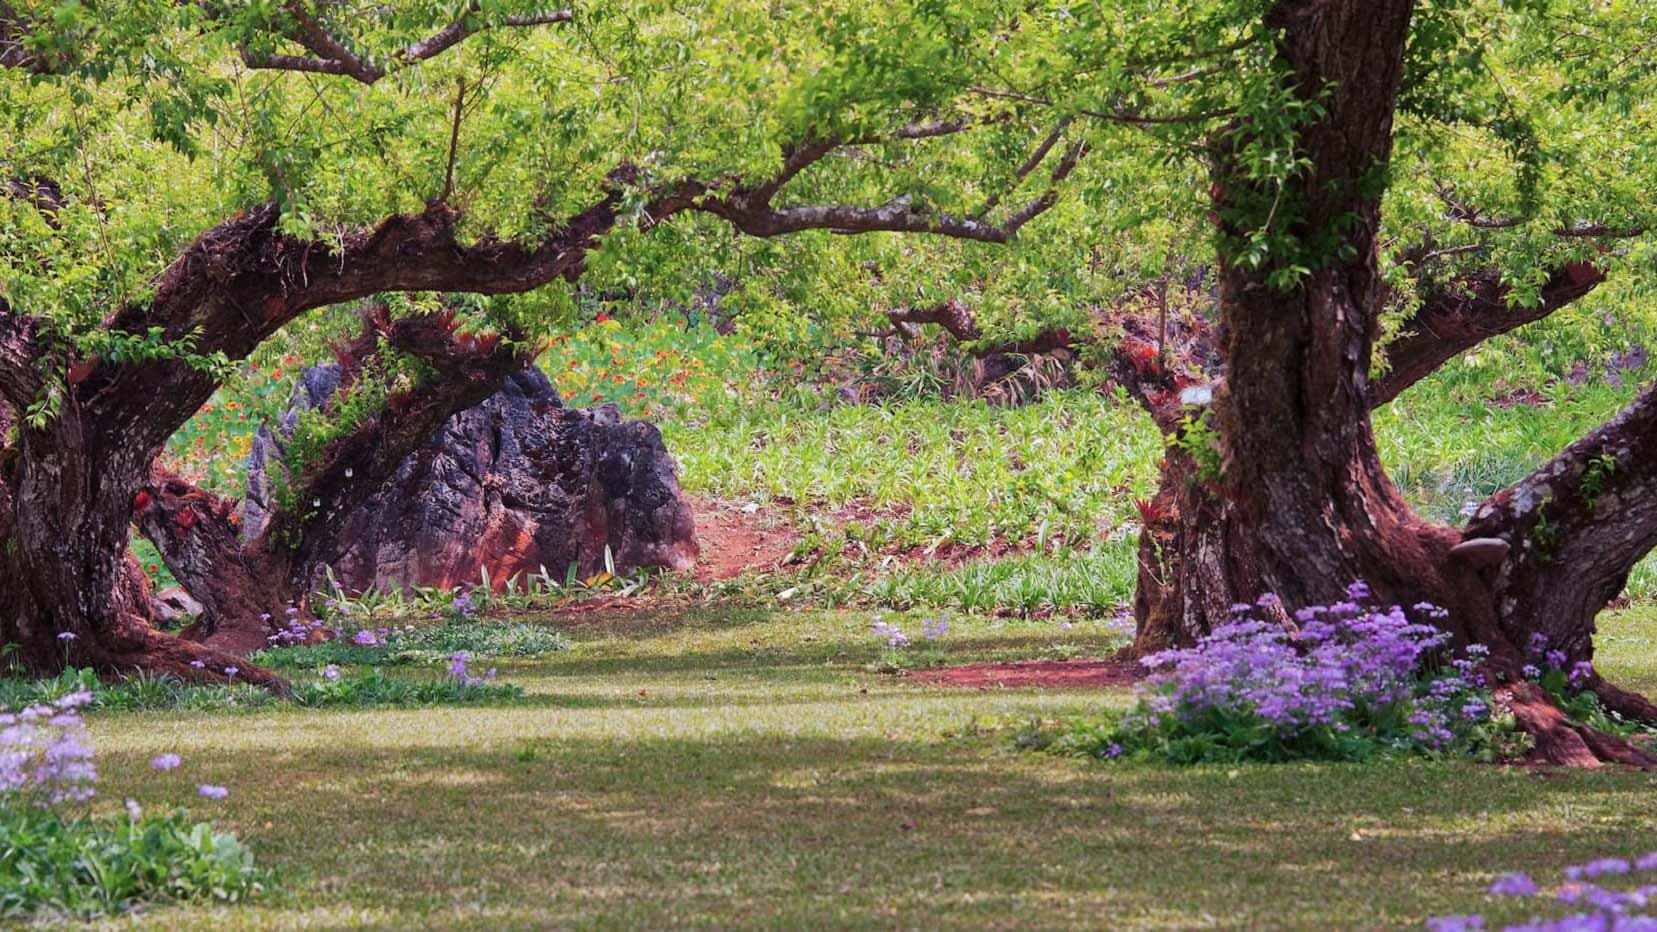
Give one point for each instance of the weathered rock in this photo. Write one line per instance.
(513, 485)
(174, 607)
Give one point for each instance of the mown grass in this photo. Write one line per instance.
(745, 769)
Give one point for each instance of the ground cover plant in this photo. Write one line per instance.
(56, 860)
(1351, 681)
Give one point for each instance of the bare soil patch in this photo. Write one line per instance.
(735, 539)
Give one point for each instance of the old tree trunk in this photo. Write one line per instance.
(1284, 491)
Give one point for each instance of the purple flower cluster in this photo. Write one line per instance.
(1598, 908)
(465, 605)
(892, 634)
(294, 630)
(1341, 667)
(464, 676)
(935, 628)
(1553, 668)
(45, 758)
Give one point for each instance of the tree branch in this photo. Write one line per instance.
(1460, 212)
(330, 55)
(750, 210)
(1577, 526)
(1030, 165)
(1464, 313)
(468, 369)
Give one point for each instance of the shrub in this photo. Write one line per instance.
(1347, 683)
(420, 645)
(51, 861)
(373, 687)
(88, 867)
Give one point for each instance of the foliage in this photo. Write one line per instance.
(329, 687)
(426, 644)
(86, 867)
(374, 687)
(54, 862)
(968, 473)
(1347, 684)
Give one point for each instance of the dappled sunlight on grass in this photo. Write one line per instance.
(797, 788)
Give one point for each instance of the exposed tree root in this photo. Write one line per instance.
(1624, 702)
(1564, 743)
(133, 646)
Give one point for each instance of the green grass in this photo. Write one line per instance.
(930, 472)
(746, 769)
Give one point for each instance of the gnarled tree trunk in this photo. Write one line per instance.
(1295, 500)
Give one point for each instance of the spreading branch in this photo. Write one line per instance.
(332, 55)
(1125, 115)
(1577, 525)
(468, 368)
(1463, 313)
(750, 209)
(1463, 213)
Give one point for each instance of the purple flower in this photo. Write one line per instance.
(134, 811)
(199, 665)
(166, 762)
(1114, 750)
(1514, 884)
(364, 638)
(1598, 867)
(1556, 659)
(212, 792)
(1581, 673)
(1646, 862)
(1358, 590)
(68, 636)
(232, 671)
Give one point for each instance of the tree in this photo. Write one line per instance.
(1389, 184)
(1278, 486)
(186, 180)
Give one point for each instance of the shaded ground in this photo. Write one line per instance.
(747, 770)
(1086, 673)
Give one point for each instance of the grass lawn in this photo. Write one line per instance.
(737, 769)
